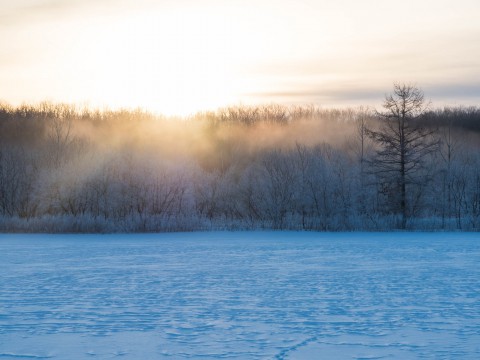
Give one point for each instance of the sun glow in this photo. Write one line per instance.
(172, 58)
(172, 62)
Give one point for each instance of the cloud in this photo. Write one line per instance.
(454, 91)
(325, 92)
(352, 94)
(27, 10)
(22, 10)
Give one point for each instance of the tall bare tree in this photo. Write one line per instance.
(403, 145)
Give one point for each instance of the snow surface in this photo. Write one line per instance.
(244, 295)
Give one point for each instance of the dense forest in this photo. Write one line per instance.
(407, 166)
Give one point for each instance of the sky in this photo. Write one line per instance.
(183, 56)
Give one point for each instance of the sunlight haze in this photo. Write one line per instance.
(179, 57)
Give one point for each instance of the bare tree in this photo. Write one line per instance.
(403, 145)
(450, 147)
(18, 172)
(362, 142)
(280, 186)
(59, 138)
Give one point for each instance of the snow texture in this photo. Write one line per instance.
(244, 295)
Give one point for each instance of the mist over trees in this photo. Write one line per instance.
(407, 166)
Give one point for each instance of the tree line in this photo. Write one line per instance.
(406, 166)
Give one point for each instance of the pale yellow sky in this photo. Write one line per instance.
(180, 56)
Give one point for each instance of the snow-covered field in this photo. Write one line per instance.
(244, 295)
